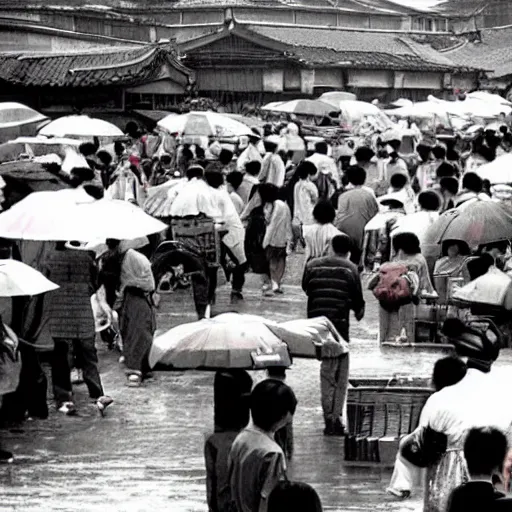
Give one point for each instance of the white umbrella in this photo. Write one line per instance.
(204, 124)
(16, 114)
(18, 279)
(81, 127)
(334, 97)
(74, 215)
(301, 107)
(497, 171)
(226, 341)
(487, 96)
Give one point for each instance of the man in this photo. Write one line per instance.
(333, 287)
(71, 324)
(356, 207)
(484, 450)
(250, 153)
(364, 157)
(305, 197)
(472, 186)
(326, 166)
(256, 462)
(448, 188)
(273, 170)
(224, 164)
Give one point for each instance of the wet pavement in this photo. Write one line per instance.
(146, 454)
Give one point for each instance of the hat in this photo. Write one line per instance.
(274, 139)
(393, 197)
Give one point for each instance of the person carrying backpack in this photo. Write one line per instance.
(397, 286)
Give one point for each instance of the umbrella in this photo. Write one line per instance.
(497, 171)
(204, 124)
(482, 223)
(18, 119)
(304, 107)
(158, 203)
(74, 215)
(334, 97)
(81, 127)
(225, 341)
(18, 279)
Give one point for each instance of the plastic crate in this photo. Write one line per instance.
(198, 234)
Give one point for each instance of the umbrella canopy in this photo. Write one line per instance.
(18, 279)
(489, 97)
(226, 341)
(74, 215)
(483, 222)
(81, 127)
(334, 97)
(497, 171)
(302, 107)
(204, 124)
(16, 114)
(158, 203)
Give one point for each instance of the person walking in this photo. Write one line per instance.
(137, 320)
(273, 170)
(71, 324)
(305, 197)
(356, 207)
(333, 287)
(277, 236)
(249, 181)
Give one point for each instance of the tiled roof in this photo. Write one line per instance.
(104, 66)
(492, 53)
(363, 48)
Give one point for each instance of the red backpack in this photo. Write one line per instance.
(393, 288)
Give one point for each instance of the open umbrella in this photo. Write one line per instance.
(481, 223)
(497, 171)
(227, 341)
(17, 119)
(81, 127)
(18, 279)
(303, 107)
(74, 215)
(204, 124)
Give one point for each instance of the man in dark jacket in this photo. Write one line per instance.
(333, 288)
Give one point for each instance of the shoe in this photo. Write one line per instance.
(148, 376)
(102, 403)
(403, 495)
(279, 291)
(6, 457)
(77, 376)
(236, 297)
(68, 408)
(268, 293)
(134, 381)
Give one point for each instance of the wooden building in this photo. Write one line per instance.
(106, 79)
(257, 63)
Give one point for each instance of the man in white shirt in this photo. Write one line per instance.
(324, 163)
(273, 170)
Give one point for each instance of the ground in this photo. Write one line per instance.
(147, 454)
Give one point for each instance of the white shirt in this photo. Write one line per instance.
(325, 164)
(193, 198)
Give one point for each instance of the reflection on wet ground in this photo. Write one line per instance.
(146, 454)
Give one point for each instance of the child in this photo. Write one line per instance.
(288, 496)
(485, 450)
(256, 462)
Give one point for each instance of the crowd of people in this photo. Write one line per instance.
(349, 210)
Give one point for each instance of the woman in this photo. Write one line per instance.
(137, 316)
(277, 236)
(399, 325)
(451, 266)
(318, 236)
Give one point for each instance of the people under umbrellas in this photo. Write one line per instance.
(71, 324)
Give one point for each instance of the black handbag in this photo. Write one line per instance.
(423, 447)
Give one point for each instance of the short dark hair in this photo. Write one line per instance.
(235, 179)
(450, 184)
(407, 242)
(294, 496)
(439, 152)
(445, 169)
(166, 159)
(356, 175)
(479, 266)
(187, 153)
(214, 178)
(305, 169)
(501, 245)
(268, 193)
(341, 244)
(195, 171)
(104, 157)
(321, 147)
(464, 249)
(225, 156)
(270, 146)
(398, 180)
(324, 212)
(448, 371)
(253, 167)
(471, 181)
(364, 154)
(87, 148)
(429, 200)
(271, 400)
(485, 450)
(200, 153)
